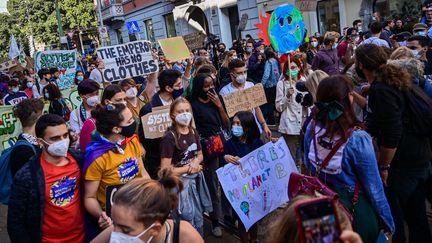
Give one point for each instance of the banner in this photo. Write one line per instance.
(64, 60)
(175, 49)
(306, 5)
(10, 126)
(244, 100)
(194, 40)
(127, 60)
(259, 184)
(156, 123)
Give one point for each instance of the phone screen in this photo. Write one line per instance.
(319, 222)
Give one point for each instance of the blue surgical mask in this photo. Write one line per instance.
(80, 78)
(421, 33)
(15, 89)
(237, 131)
(29, 84)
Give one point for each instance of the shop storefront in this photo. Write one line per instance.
(407, 10)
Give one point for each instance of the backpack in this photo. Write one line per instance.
(5, 170)
(418, 115)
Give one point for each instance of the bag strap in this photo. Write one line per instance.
(176, 236)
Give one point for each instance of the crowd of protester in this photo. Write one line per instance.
(366, 92)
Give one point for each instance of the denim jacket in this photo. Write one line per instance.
(358, 163)
(271, 73)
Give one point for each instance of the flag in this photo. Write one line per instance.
(13, 49)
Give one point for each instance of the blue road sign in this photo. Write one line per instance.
(133, 27)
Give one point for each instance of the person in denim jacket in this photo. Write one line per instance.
(354, 162)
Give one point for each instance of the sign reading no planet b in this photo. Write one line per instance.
(127, 60)
(259, 184)
(64, 60)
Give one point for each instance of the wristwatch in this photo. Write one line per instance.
(384, 167)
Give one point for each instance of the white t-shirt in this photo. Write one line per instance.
(96, 75)
(75, 121)
(38, 93)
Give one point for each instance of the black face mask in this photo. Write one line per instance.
(221, 50)
(359, 72)
(202, 95)
(128, 131)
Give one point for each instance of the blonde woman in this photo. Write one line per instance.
(313, 80)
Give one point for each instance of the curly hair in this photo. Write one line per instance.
(413, 66)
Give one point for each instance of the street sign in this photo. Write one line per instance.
(63, 39)
(133, 27)
(103, 32)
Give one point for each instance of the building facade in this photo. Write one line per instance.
(159, 19)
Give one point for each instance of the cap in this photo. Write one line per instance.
(258, 43)
(420, 26)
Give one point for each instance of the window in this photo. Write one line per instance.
(150, 31)
(170, 25)
(119, 36)
(132, 37)
(409, 11)
(328, 16)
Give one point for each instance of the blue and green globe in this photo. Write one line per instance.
(286, 28)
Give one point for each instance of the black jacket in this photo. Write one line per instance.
(150, 145)
(27, 201)
(385, 121)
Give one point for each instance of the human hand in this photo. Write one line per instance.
(214, 98)
(290, 92)
(232, 159)
(104, 221)
(349, 236)
(267, 131)
(384, 176)
(194, 167)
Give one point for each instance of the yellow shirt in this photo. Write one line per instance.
(116, 169)
(135, 109)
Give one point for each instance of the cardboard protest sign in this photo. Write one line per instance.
(127, 60)
(306, 5)
(194, 40)
(244, 100)
(64, 60)
(174, 48)
(110, 191)
(156, 122)
(260, 184)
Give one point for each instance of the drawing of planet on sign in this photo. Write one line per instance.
(284, 28)
(244, 206)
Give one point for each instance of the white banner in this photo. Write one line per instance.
(127, 60)
(259, 184)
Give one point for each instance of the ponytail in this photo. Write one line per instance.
(172, 184)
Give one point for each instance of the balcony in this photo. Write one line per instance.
(113, 13)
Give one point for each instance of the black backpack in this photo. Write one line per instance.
(418, 111)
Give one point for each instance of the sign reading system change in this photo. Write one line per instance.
(127, 60)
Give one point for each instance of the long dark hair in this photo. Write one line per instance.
(53, 92)
(108, 117)
(250, 128)
(337, 88)
(110, 91)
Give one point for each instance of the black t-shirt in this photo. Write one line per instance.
(207, 118)
(182, 150)
(428, 63)
(20, 155)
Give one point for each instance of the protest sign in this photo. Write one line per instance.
(127, 60)
(244, 100)
(259, 184)
(110, 191)
(306, 5)
(64, 60)
(175, 48)
(10, 126)
(156, 123)
(194, 40)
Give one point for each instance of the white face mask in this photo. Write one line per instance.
(93, 101)
(241, 79)
(416, 54)
(132, 92)
(314, 43)
(118, 237)
(184, 118)
(59, 148)
(262, 51)
(334, 45)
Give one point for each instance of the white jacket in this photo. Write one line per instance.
(291, 117)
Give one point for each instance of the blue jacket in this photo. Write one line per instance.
(271, 73)
(358, 163)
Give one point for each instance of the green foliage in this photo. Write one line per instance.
(38, 18)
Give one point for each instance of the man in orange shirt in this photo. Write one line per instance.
(45, 201)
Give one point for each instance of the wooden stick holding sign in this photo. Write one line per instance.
(244, 100)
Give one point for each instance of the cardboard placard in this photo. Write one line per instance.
(110, 191)
(156, 122)
(194, 40)
(244, 100)
(175, 49)
(127, 60)
(306, 5)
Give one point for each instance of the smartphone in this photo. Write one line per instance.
(317, 221)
